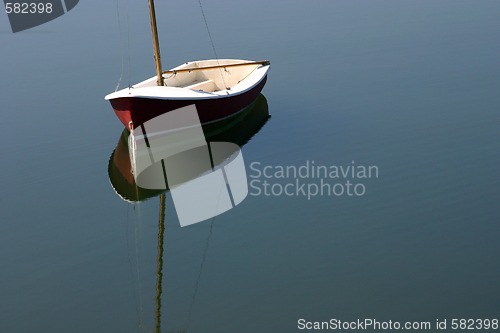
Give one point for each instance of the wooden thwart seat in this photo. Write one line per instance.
(206, 85)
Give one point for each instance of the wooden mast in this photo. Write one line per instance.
(159, 262)
(156, 43)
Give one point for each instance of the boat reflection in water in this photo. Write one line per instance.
(237, 130)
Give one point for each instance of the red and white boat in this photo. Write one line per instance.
(220, 88)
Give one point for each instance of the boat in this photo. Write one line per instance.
(219, 88)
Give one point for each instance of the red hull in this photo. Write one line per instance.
(136, 111)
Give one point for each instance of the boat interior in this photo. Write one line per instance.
(207, 75)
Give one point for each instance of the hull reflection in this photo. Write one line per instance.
(238, 130)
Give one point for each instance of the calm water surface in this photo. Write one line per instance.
(408, 86)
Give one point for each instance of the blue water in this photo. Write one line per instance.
(408, 86)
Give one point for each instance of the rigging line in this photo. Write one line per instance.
(212, 42)
(128, 43)
(138, 215)
(208, 30)
(132, 275)
(204, 256)
(121, 43)
(120, 33)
